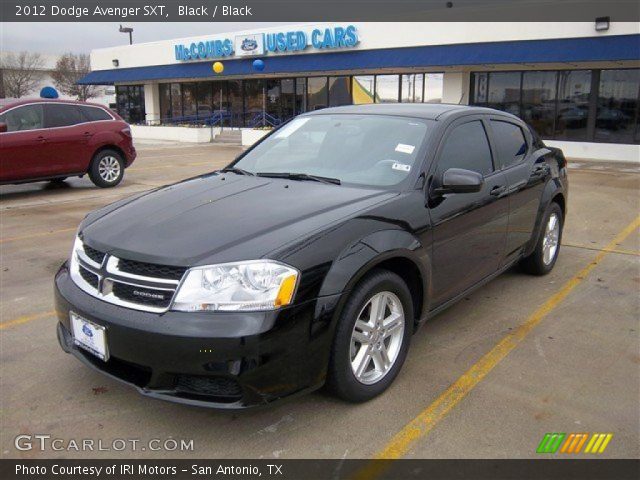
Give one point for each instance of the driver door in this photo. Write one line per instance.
(469, 229)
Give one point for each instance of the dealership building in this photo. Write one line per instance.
(577, 83)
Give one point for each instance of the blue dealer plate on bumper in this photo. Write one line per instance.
(89, 336)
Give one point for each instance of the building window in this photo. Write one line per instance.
(204, 100)
(387, 88)
(504, 91)
(363, 89)
(412, 88)
(575, 105)
(572, 117)
(339, 91)
(189, 105)
(176, 102)
(617, 113)
(433, 87)
(539, 101)
(317, 93)
(165, 102)
(130, 103)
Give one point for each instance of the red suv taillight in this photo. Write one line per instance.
(127, 132)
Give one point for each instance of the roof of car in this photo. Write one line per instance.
(430, 111)
(10, 103)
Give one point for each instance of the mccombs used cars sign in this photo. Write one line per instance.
(275, 42)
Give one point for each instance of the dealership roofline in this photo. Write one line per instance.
(565, 50)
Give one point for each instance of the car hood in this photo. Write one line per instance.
(218, 218)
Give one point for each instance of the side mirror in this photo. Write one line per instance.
(459, 180)
(3, 127)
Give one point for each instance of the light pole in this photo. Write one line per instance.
(128, 30)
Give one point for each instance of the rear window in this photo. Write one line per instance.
(511, 145)
(61, 115)
(94, 114)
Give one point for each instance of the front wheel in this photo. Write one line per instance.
(543, 258)
(107, 169)
(372, 337)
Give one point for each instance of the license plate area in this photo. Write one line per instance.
(89, 336)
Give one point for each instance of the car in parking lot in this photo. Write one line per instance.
(313, 257)
(46, 139)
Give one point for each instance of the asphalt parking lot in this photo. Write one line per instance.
(488, 378)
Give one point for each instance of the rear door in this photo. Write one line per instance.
(469, 229)
(68, 136)
(21, 144)
(525, 178)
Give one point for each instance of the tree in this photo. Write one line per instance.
(69, 69)
(21, 73)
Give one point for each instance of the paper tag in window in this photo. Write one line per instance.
(403, 148)
(401, 166)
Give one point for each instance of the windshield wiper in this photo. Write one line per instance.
(300, 176)
(239, 171)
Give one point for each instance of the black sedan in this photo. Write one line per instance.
(313, 257)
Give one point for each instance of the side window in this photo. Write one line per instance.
(94, 114)
(467, 147)
(61, 115)
(28, 117)
(511, 145)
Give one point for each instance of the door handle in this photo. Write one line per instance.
(40, 138)
(498, 190)
(541, 170)
(87, 134)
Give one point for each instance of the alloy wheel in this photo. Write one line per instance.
(550, 240)
(377, 336)
(109, 168)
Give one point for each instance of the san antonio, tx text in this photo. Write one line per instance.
(129, 469)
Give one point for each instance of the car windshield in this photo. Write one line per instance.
(372, 150)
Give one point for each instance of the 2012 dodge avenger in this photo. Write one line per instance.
(313, 257)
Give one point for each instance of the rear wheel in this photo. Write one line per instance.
(543, 258)
(107, 169)
(372, 337)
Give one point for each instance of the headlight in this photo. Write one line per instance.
(256, 285)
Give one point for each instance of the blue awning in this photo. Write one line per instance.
(592, 49)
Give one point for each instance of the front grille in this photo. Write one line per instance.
(131, 284)
(90, 278)
(151, 270)
(94, 254)
(221, 387)
(142, 296)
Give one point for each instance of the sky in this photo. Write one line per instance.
(57, 38)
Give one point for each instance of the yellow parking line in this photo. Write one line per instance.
(596, 249)
(25, 319)
(41, 234)
(426, 420)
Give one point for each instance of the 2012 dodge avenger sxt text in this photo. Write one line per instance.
(313, 257)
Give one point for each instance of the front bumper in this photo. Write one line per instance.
(221, 360)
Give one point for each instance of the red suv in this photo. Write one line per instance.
(54, 139)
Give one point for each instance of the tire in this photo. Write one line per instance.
(107, 169)
(544, 256)
(342, 380)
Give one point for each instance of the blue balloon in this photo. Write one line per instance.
(49, 92)
(258, 65)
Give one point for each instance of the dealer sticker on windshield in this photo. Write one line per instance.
(401, 166)
(404, 148)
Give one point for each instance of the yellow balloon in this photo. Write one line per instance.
(218, 67)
